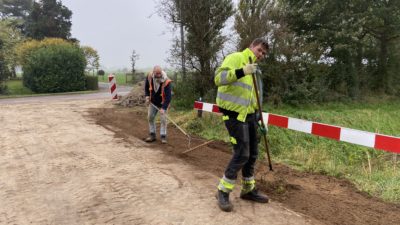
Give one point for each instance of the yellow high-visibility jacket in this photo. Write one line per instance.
(235, 90)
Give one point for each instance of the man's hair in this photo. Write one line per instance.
(261, 41)
(157, 67)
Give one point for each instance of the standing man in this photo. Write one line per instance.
(158, 96)
(236, 99)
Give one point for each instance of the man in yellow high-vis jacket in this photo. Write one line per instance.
(236, 99)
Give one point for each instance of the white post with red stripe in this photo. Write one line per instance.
(113, 86)
(368, 139)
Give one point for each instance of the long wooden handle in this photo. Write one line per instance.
(198, 146)
(262, 119)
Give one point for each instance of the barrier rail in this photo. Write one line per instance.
(358, 137)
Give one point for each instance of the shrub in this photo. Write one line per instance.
(24, 49)
(137, 77)
(100, 73)
(3, 70)
(3, 75)
(91, 83)
(184, 93)
(55, 68)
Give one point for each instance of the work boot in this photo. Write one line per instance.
(223, 201)
(151, 138)
(163, 139)
(254, 196)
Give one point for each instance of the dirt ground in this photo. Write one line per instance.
(82, 162)
(320, 198)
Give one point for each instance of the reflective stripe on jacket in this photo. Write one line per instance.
(234, 94)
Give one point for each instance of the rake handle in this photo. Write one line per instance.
(262, 119)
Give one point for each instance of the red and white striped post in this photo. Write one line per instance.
(113, 86)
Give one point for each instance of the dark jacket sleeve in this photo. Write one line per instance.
(168, 96)
(146, 88)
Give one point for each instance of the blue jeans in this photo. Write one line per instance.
(151, 115)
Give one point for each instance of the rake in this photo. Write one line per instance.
(189, 138)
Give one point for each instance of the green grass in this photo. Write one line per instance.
(374, 171)
(121, 79)
(15, 88)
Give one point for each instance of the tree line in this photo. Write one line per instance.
(27, 25)
(321, 50)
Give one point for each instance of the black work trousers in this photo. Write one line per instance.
(245, 150)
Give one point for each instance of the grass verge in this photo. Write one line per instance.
(16, 89)
(373, 171)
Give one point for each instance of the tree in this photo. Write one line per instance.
(92, 58)
(251, 20)
(3, 69)
(172, 11)
(134, 58)
(356, 34)
(204, 38)
(15, 8)
(16, 11)
(49, 18)
(10, 37)
(382, 21)
(203, 22)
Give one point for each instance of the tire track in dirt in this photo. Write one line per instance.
(58, 167)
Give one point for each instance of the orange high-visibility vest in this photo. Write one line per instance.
(164, 84)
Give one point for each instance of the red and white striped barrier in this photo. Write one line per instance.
(113, 86)
(373, 140)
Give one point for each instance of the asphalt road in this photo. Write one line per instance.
(102, 94)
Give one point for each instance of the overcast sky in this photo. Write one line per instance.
(115, 28)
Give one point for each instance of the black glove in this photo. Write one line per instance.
(258, 118)
(261, 128)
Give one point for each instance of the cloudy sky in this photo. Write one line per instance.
(115, 28)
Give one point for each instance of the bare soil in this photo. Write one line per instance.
(58, 166)
(321, 198)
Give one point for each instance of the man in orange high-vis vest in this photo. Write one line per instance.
(158, 96)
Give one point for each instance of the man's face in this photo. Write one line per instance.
(259, 51)
(157, 74)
